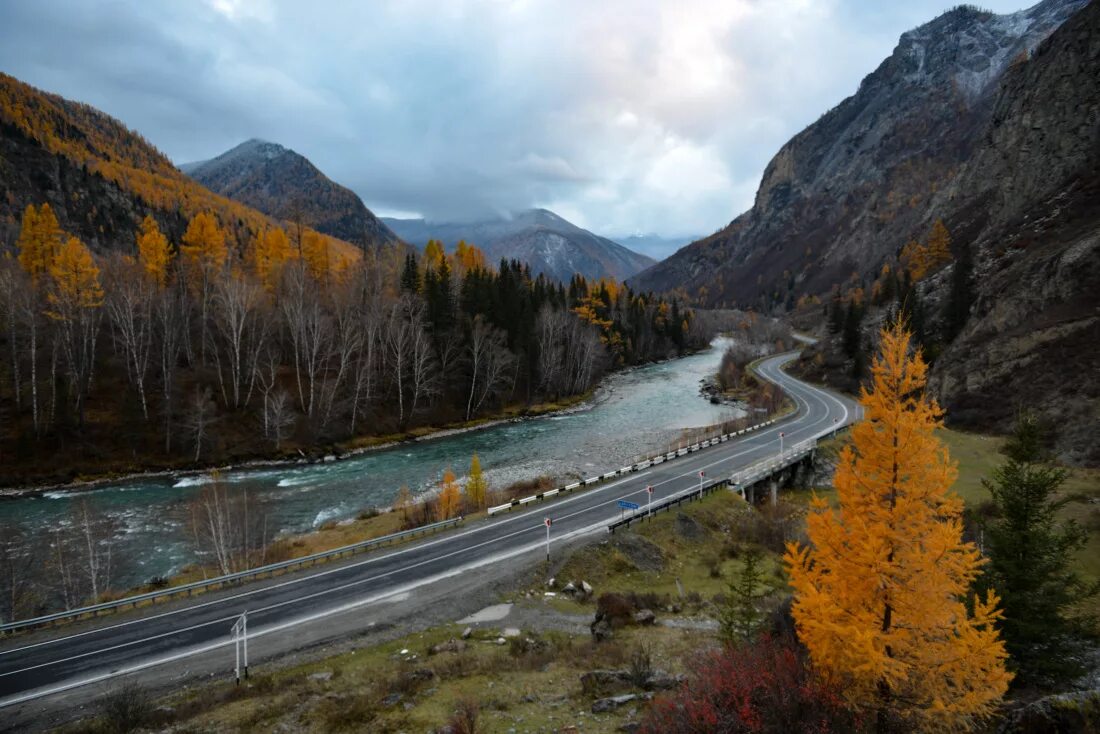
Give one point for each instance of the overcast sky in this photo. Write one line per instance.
(622, 116)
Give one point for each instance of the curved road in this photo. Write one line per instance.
(284, 609)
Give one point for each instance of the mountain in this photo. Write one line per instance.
(99, 177)
(285, 185)
(548, 243)
(992, 124)
(850, 190)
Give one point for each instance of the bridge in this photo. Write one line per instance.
(182, 639)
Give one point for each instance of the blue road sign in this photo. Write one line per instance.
(628, 505)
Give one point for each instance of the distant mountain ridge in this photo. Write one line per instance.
(549, 244)
(286, 185)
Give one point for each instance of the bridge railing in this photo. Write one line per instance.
(218, 581)
(644, 464)
(755, 472)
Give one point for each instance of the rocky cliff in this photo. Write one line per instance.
(845, 194)
(279, 182)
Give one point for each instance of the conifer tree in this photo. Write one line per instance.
(1031, 562)
(447, 504)
(40, 242)
(880, 591)
(410, 276)
(154, 254)
(739, 619)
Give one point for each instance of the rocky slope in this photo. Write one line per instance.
(548, 243)
(1030, 200)
(845, 194)
(279, 182)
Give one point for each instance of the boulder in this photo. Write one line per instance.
(603, 705)
(1065, 712)
(321, 675)
(569, 589)
(467, 632)
(601, 630)
(586, 588)
(451, 645)
(602, 682)
(645, 617)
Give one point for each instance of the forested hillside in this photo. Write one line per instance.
(186, 352)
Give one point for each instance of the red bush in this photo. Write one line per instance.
(763, 687)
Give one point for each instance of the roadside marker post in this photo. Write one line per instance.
(240, 646)
(649, 491)
(548, 523)
(835, 422)
(781, 443)
(702, 474)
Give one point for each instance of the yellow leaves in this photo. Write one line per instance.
(204, 243)
(153, 252)
(469, 257)
(879, 591)
(269, 251)
(923, 260)
(316, 255)
(75, 281)
(433, 255)
(447, 504)
(476, 486)
(39, 241)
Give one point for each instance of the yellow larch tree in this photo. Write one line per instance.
(204, 253)
(939, 246)
(881, 590)
(40, 241)
(75, 297)
(154, 254)
(269, 251)
(449, 497)
(433, 254)
(476, 486)
(316, 255)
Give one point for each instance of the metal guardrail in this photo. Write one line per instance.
(252, 573)
(666, 503)
(754, 472)
(644, 464)
(739, 479)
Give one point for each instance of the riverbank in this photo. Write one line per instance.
(300, 456)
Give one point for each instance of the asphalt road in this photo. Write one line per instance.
(51, 661)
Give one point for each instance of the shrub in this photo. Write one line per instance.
(762, 687)
(615, 608)
(464, 719)
(126, 708)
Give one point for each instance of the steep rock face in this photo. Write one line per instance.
(1031, 195)
(542, 239)
(848, 191)
(287, 186)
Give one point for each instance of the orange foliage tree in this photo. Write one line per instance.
(154, 254)
(74, 299)
(449, 497)
(269, 251)
(204, 253)
(880, 591)
(39, 241)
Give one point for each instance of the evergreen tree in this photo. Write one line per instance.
(1031, 558)
(853, 317)
(410, 276)
(739, 619)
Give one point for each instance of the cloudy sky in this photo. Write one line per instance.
(623, 116)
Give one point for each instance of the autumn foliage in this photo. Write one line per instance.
(881, 590)
(761, 687)
(450, 500)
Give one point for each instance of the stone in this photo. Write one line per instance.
(645, 617)
(586, 588)
(550, 582)
(601, 630)
(602, 682)
(322, 675)
(603, 705)
(659, 680)
(391, 700)
(569, 589)
(501, 641)
(467, 632)
(510, 632)
(451, 645)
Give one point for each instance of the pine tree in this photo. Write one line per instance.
(476, 486)
(879, 590)
(853, 317)
(1031, 562)
(410, 276)
(739, 619)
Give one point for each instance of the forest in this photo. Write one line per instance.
(213, 349)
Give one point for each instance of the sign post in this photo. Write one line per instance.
(835, 422)
(702, 474)
(548, 523)
(649, 491)
(781, 443)
(240, 646)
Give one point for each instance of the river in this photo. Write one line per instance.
(632, 412)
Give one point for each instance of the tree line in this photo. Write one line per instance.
(183, 350)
